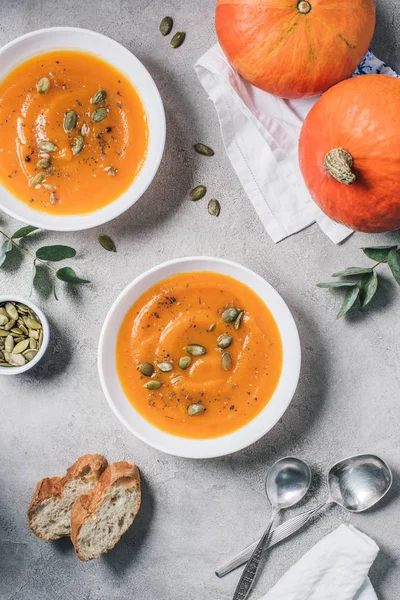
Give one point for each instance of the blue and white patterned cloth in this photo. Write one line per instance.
(260, 133)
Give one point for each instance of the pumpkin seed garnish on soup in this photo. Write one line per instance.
(43, 85)
(70, 120)
(165, 367)
(37, 179)
(224, 340)
(226, 361)
(99, 114)
(195, 349)
(77, 144)
(47, 146)
(100, 96)
(195, 409)
(239, 319)
(153, 385)
(43, 163)
(230, 314)
(184, 362)
(166, 25)
(146, 369)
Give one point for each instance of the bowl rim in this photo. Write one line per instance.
(89, 220)
(46, 334)
(209, 447)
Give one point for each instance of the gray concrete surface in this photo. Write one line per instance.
(194, 513)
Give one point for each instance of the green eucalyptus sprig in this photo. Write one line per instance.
(361, 283)
(42, 256)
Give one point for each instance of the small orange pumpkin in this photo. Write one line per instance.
(349, 152)
(291, 48)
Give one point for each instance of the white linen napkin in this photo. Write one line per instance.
(260, 133)
(336, 568)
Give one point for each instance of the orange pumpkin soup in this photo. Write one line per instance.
(199, 355)
(73, 132)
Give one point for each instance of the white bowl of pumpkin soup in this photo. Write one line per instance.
(199, 357)
(82, 129)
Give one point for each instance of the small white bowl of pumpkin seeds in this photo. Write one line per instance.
(24, 335)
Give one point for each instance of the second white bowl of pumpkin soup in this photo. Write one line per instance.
(82, 129)
(199, 357)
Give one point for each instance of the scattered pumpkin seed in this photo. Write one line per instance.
(47, 146)
(165, 367)
(166, 25)
(107, 242)
(77, 144)
(184, 362)
(153, 385)
(195, 409)
(99, 114)
(9, 344)
(21, 346)
(198, 192)
(99, 96)
(37, 179)
(230, 314)
(11, 310)
(178, 39)
(43, 85)
(146, 369)
(224, 341)
(214, 207)
(239, 319)
(226, 361)
(195, 349)
(70, 120)
(43, 163)
(204, 150)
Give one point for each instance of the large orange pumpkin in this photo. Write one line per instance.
(291, 48)
(349, 152)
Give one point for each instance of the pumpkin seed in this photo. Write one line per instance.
(166, 25)
(9, 345)
(99, 96)
(16, 360)
(3, 333)
(21, 346)
(8, 326)
(11, 310)
(3, 320)
(198, 192)
(230, 314)
(111, 172)
(176, 380)
(226, 361)
(214, 207)
(99, 114)
(224, 341)
(211, 328)
(77, 145)
(43, 85)
(178, 39)
(107, 242)
(70, 120)
(37, 179)
(239, 319)
(195, 409)
(184, 362)
(17, 331)
(165, 367)
(22, 327)
(47, 147)
(32, 344)
(146, 369)
(204, 150)
(3, 311)
(29, 354)
(43, 163)
(43, 155)
(34, 335)
(32, 323)
(195, 349)
(85, 129)
(153, 385)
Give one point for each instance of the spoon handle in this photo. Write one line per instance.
(248, 576)
(284, 530)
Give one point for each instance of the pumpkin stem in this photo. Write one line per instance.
(304, 7)
(338, 163)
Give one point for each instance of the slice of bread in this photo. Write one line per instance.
(99, 519)
(49, 512)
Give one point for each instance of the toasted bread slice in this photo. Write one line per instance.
(49, 512)
(99, 519)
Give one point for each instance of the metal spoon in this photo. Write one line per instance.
(355, 483)
(287, 482)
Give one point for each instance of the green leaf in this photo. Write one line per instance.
(5, 247)
(68, 274)
(378, 253)
(336, 284)
(369, 285)
(394, 264)
(353, 271)
(23, 232)
(55, 253)
(349, 299)
(107, 242)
